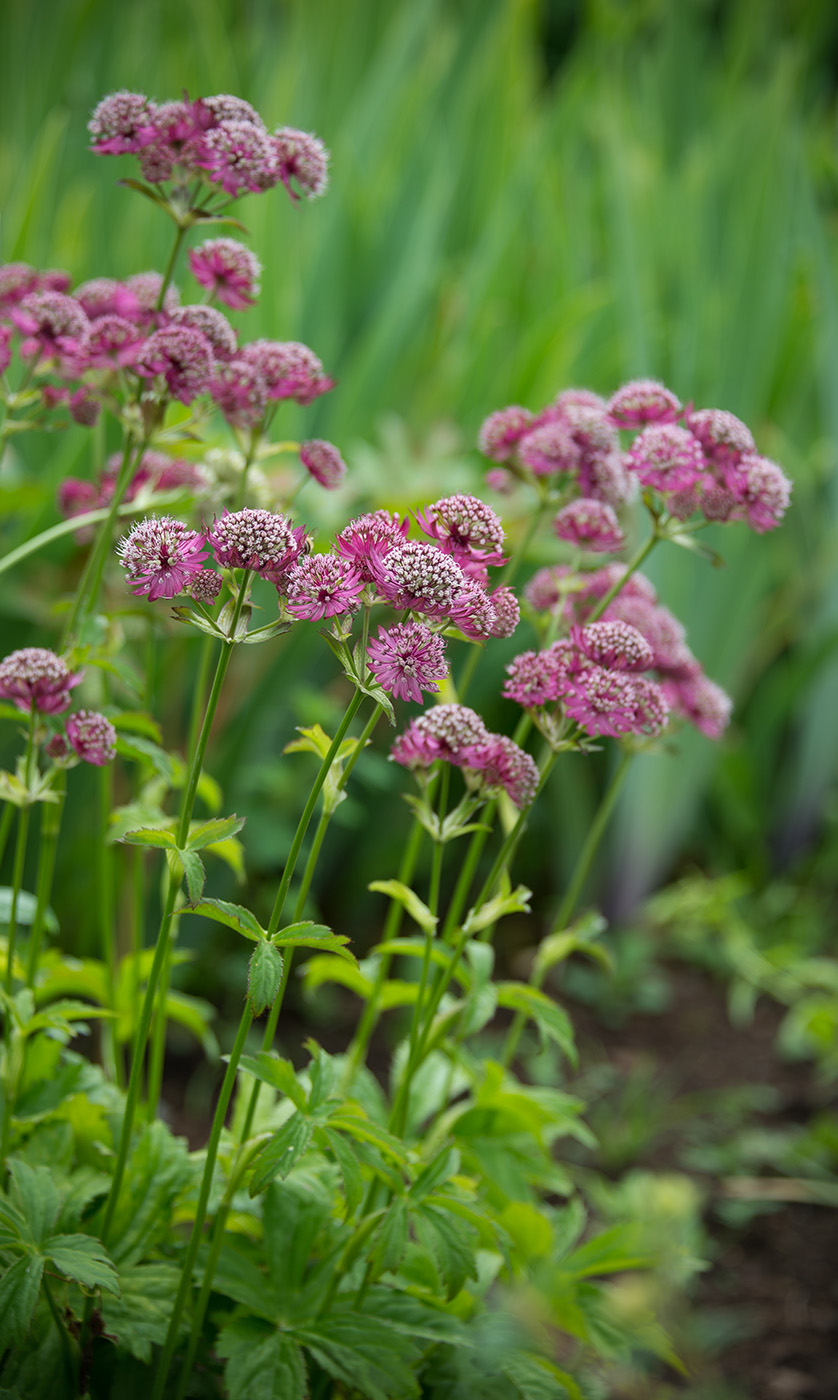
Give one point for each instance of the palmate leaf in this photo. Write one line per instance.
(39, 1200)
(20, 1287)
(364, 1353)
(536, 1378)
(139, 1316)
(279, 1155)
(278, 1073)
(262, 1363)
(452, 1243)
(391, 1239)
(83, 1259)
(349, 1165)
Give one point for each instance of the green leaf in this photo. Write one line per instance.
(364, 1130)
(439, 1170)
(84, 1259)
(151, 836)
(536, 1378)
(279, 1074)
(518, 902)
(364, 1353)
(190, 865)
(39, 1198)
(260, 1366)
(551, 1020)
(279, 1155)
(350, 1167)
(20, 1288)
(328, 969)
(139, 1317)
(209, 832)
(145, 190)
(232, 916)
(409, 900)
(609, 1253)
(453, 1244)
(264, 976)
(24, 910)
(579, 938)
(391, 1239)
(145, 751)
(309, 935)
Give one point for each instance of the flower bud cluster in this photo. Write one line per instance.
(457, 735)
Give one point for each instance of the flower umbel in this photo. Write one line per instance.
(35, 678)
(407, 659)
(160, 556)
(92, 736)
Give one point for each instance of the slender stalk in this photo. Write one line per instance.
(20, 857)
(6, 826)
(203, 1200)
(51, 814)
(107, 930)
(633, 565)
(584, 861)
(170, 267)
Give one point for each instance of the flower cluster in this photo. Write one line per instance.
(36, 679)
(693, 460)
(221, 140)
(457, 735)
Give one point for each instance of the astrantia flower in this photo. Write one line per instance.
(643, 401)
(473, 612)
(240, 392)
(259, 540)
(532, 679)
(651, 706)
(580, 398)
(17, 280)
(591, 428)
(303, 159)
(367, 539)
(85, 407)
(443, 731)
(228, 269)
(212, 324)
(145, 287)
(700, 701)
(465, 527)
(324, 462)
(160, 556)
(53, 325)
(661, 629)
(603, 477)
(602, 701)
(323, 585)
(225, 107)
(122, 124)
(545, 588)
(418, 575)
(503, 765)
(239, 156)
(289, 369)
(103, 296)
(407, 659)
(590, 524)
(666, 457)
(111, 343)
(765, 493)
(549, 448)
(35, 678)
(501, 432)
(616, 645)
(723, 436)
(92, 736)
(204, 586)
(507, 611)
(182, 355)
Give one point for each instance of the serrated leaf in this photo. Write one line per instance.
(364, 1353)
(609, 1253)
(84, 1259)
(536, 1378)
(439, 1170)
(264, 976)
(139, 1317)
(262, 1364)
(409, 900)
(452, 1242)
(233, 916)
(551, 1020)
(391, 1239)
(278, 1155)
(20, 1287)
(266, 633)
(365, 1130)
(309, 935)
(216, 829)
(518, 902)
(38, 1196)
(158, 837)
(146, 751)
(279, 1074)
(350, 1167)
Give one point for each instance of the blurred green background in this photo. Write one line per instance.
(525, 196)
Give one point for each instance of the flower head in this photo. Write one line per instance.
(259, 540)
(145, 287)
(667, 457)
(111, 343)
(53, 325)
(92, 736)
(240, 392)
(303, 159)
(501, 432)
(323, 461)
(465, 527)
(502, 765)
(408, 659)
(580, 398)
(122, 124)
(228, 269)
(723, 436)
(643, 401)
(765, 494)
(160, 556)
(289, 369)
(418, 575)
(616, 645)
(602, 701)
(17, 280)
(182, 355)
(507, 611)
(549, 448)
(322, 585)
(204, 586)
(367, 539)
(35, 678)
(225, 107)
(103, 296)
(700, 701)
(238, 155)
(443, 731)
(590, 524)
(213, 325)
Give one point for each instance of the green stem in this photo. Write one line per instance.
(20, 856)
(51, 814)
(583, 864)
(170, 267)
(6, 826)
(634, 564)
(203, 1201)
(107, 931)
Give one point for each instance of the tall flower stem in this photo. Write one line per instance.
(141, 1038)
(107, 926)
(19, 858)
(583, 864)
(51, 814)
(6, 826)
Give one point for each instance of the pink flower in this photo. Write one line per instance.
(466, 528)
(602, 701)
(105, 297)
(724, 437)
(501, 432)
(323, 585)
(661, 629)
(407, 659)
(666, 457)
(580, 398)
(122, 124)
(54, 326)
(368, 539)
(549, 448)
(324, 462)
(212, 324)
(418, 575)
(473, 612)
(182, 356)
(643, 401)
(111, 343)
(289, 369)
(240, 392)
(765, 494)
(228, 269)
(204, 587)
(603, 477)
(616, 645)
(651, 706)
(700, 701)
(35, 678)
(160, 556)
(302, 158)
(507, 611)
(145, 287)
(534, 679)
(92, 736)
(238, 156)
(503, 765)
(590, 524)
(17, 280)
(443, 731)
(85, 407)
(259, 540)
